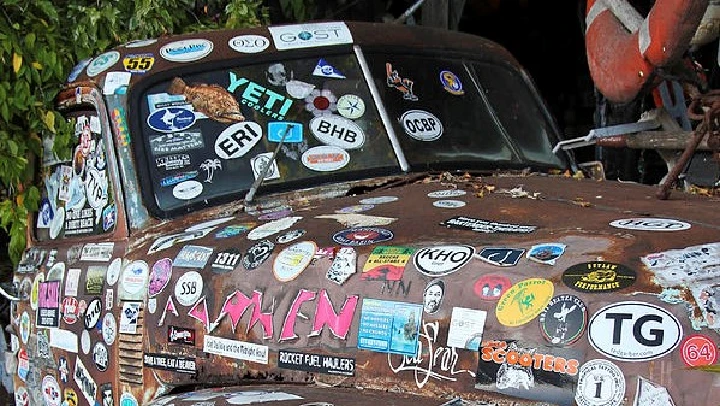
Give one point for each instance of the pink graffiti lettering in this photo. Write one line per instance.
(237, 303)
(200, 312)
(325, 315)
(424, 363)
(288, 329)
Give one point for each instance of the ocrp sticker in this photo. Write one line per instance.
(189, 288)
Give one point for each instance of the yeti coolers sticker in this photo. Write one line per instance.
(442, 260)
(634, 331)
(291, 261)
(338, 132)
(236, 140)
(325, 158)
(421, 125)
(171, 119)
(187, 50)
(651, 224)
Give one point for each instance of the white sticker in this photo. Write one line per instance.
(260, 161)
(57, 223)
(98, 252)
(343, 266)
(129, 318)
(440, 194)
(634, 331)
(310, 35)
(448, 204)
(651, 224)
(325, 158)
(248, 397)
(337, 131)
(187, 190)
(236, 349)
(134, 278)
(109, 328)
(379, 200)
(273, 227)
(186, 50)
(72, 282)
(421, 125)
(442, 260)
(102, 63)
(114, 81)
(85, 342)
(236, 140)
(139, 43)
(64, 339)
(152, 305)
(600, 383)
(189, 288)
(249, 44)
(651, 394)
(291, 261)
(299, 90)
(84, 379)
(351, 106)
(113, 272)
(466, 328)
(685, 266)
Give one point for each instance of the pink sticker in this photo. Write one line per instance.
(288, 329)
(237, 303)
(160, 276)
(325, 315)
(200, 312)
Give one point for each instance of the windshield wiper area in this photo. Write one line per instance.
(261, 177)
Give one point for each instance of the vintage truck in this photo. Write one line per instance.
(348, 213)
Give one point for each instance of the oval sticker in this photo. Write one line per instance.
(650, 224)
(634, 331)
(102, 63)
(186, 50)
(171, 119)
(325, 158)
(421, 125)
(291, 261)
(598, 277)
(249, 44)
(442, 260)
(524, 301)
(338, 132)
(236, 140)
(187, 190)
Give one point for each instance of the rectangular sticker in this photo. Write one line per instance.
(85, 382)
(310, 35)
(98, 252)
(181, 335)
(387, 326)
(319, 363)
(277, 129)
(161, 144)
(48, 311)
(72, 282)
(64, 339)
(170, 363)
(129, 318)
(236, 349)
(386, 263)
(95, 279)
(466, 328)
(485, 226)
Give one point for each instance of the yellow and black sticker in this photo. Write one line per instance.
(138, 63)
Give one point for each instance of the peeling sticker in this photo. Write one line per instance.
(358, 219)
(273, 227)
(343, 266)
(159, 276)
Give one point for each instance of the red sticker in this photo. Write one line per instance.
(491, 287)
(698, 350)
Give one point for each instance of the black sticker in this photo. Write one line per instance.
(226, 260)
(169, 363)
(563, 320)
(257, 254)
(485, 226)
(320, 363)
(181, 335)
(598, 277)
(93, 313)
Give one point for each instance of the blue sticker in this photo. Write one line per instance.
(387, 326)
(451, 82)
(171, 119)
(324, 69)
(501, 256)
(45, 214)
(546, 253)
(177, 178)
(193, 256)
(359, 236)
(77, 69)
(276, 129)
(108, 216)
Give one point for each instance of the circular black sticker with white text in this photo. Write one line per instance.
(563, 320)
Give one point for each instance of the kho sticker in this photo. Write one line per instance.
(524, 301)
(291, 261)
(189, 288)
(442, 260)
(598, 277)
(600, 383)
(564, 319)
(491, 287)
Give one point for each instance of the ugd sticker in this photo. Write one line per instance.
(387, 326)
(386, 263)
(528, 371)
(524, 301)
(598, 277)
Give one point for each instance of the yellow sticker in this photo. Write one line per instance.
(138, 63)
(524, 301)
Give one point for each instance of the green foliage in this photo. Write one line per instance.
(298, 10)
(40, 41)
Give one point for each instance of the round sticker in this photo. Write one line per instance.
(421, 125)
(291, 261)
(598, 277)
(379, 200)
(249, 44)
(257, 254)
(442, 260)
(491, 287)
(600, 383)
(85, 342)
(189, 288)
(113, 271)
(109, 328)
(360, 236)
(650, 224)
(25, 327)
(698, 350)
(524, 301)
(351, 106)
(71, 310)
(325, 158)
(447, 193)
(186, 50)
(289, 236)
(100, 356)
(127, 399)
(338, 132)
(448, 204)
(159, 276)
(92, 314)
(51, 391)
(102, 63)
(134, 277)
(564, 319)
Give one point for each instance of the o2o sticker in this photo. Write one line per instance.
(186, 50)
(187, 190)
(421, 125)
(249, 44)
(651, 224)
(189, 288)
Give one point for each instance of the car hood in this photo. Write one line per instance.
(534, 214)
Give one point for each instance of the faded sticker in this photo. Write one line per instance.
(291, 261)
(491, 287)
(95, 279)
(685, 265)
(343, 266)
(192, 256)
(524, 301)
(387, 326)
(501, 256)
(651, 224)
(189, 288)
(264, 163)
(485, 226)
(48, 310)
(174, 143)
(600, 383)
(361, 236)
(134, 280)
(273, 227)
(466, 328)
(545, 253)
(650, 394)
(386, 263)
(338, 132)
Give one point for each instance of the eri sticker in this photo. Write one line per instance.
(524, 301)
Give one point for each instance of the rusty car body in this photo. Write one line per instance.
(413, 238)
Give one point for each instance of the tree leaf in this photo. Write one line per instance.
(17, 62)
(49, 120)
